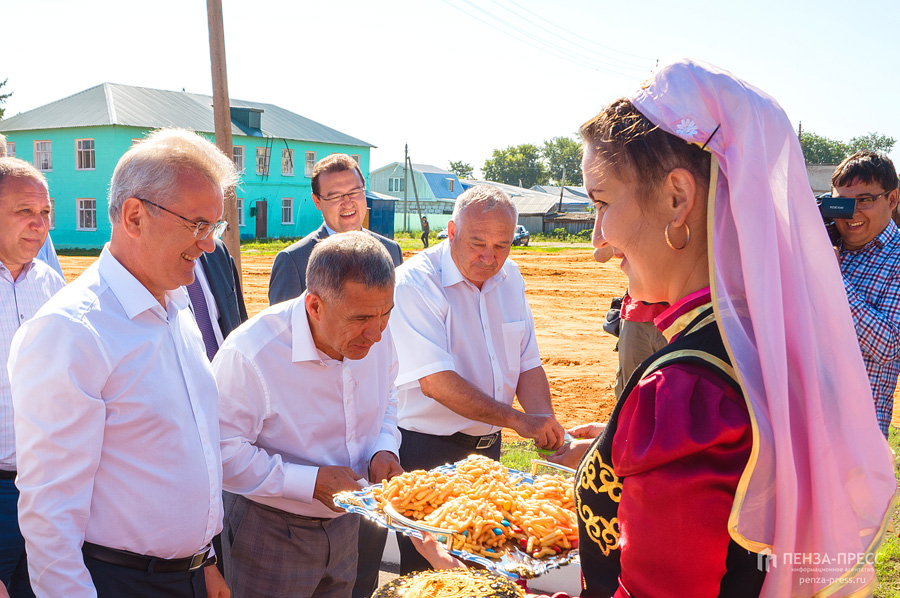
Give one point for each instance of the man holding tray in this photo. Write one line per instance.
(308, 408)
(466, 342)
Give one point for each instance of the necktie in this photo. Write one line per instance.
(201, 314)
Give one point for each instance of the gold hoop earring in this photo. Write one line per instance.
(686, 241)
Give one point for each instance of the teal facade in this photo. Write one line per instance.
(69, 184)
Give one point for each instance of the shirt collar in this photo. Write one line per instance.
(22, 275)
(134, 296)
(675, 319)
(330, 230)
(450, 274)
(303, 348)
(883, 238)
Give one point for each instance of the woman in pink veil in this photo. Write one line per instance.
(744, 459)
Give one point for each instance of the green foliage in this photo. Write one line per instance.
(559, 153)
(874, 142)
(461, 169)
(520, 165)
(887, 559)
(822, 150)
(3, 97)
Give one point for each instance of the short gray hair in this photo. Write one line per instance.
(487, 197)
(14, 168)
(348, 257)
(151, 168)
(2, 145)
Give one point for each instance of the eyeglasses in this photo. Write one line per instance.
(864, 202)
(201, 229)
(354, 195)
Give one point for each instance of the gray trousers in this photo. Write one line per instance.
(637, 342)
(271, 553)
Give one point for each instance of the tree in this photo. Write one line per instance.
(821, 150)
(563, 152)
(461, 169)
(520, 165)
(3, 97)
(874, 142)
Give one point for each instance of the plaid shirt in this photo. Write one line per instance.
(872, 279)
(19, 300)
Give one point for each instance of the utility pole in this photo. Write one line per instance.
(800, 131)
(222, 118)
(405, 185)
(562, 188)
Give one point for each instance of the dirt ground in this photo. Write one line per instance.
(569, 295)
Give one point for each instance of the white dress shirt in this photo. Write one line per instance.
(286, 408)
(442, 322)
(117, 430)
(19, 300)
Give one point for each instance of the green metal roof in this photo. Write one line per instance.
(114, 104)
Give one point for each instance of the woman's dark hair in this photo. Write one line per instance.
(640, 151)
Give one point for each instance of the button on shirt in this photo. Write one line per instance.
(286, 408)
(117, 434)
(872, 281)
(442, 322)
(19, 300)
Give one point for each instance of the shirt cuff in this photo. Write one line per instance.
(386, 442)
(529, 365)
(299, 482)
(425, 370)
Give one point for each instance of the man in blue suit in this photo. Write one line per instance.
(339, 192)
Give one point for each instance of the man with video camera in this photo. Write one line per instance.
(869, 254)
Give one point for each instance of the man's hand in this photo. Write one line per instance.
(383, 466)
(570, 455)
(603, 254)
(331, 480)
(215, 583)
(591, 430)
(436, 555)
(546, 432)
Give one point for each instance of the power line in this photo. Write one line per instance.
(548, 48)
(541, 26)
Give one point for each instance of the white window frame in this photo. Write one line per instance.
(357, 158)
(84, 155)
(395, 184)
(287, 162)
(310, 163)
(38, 153)
(287, 207)
(263, 158)
(238, 163)
(83, 209)
(10, 149)
(239, 201)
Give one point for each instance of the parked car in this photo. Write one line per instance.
(442, 234)
(521, 236)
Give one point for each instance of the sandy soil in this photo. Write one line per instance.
(569, 295)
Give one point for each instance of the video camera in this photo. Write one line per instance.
(835, 207)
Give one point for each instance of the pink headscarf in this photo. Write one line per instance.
(820, 482)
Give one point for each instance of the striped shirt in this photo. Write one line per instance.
(19, 300)
(872, 280)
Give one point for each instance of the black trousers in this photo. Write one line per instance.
(113, 581)
(426, 451)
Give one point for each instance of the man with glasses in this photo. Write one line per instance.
(118, 434)
(339, 192)
(869, 255)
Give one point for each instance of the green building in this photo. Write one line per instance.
(77, 141)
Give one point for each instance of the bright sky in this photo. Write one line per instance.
(458, 78)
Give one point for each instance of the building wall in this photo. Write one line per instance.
(379, 182)
(67, 184)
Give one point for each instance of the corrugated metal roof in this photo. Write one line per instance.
(440, 185)
(114, 104)
(429, 169)
(529, 201)
(575, 192)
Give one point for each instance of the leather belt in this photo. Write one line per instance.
(476, 442)
(7, 475)
(151, 564)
